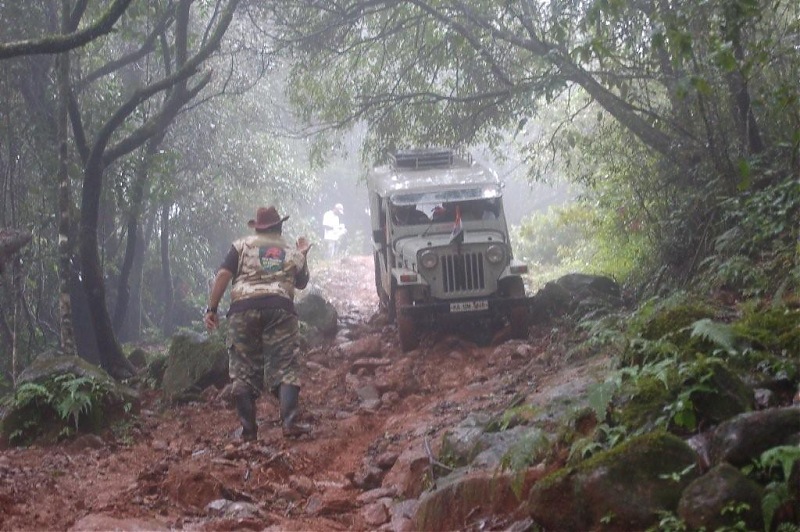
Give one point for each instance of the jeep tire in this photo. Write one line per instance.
(519, 316)
(383, 297)
(406, 328)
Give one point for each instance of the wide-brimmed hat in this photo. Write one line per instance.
(266, 217)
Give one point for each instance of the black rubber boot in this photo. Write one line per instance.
(246, 409)
(289, 395)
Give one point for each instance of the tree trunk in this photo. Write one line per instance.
(166, 273)
(101, 155)
(133, 324)
(112, 359)
(745, 120)
(85, 337)
(64, 196)
(137, 200)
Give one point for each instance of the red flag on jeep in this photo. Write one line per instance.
(457, 236)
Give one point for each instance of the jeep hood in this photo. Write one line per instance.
(409, 246)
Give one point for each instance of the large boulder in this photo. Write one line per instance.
(703, 502)
(194, 363)
(318, 314)
(470, 443)
(465, 498)
(724, 395)
(577, 294)
(624, 488)
(57, 394)
(742, 439)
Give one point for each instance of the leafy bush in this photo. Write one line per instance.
(755, 252)
(65, 404)
(774, 467)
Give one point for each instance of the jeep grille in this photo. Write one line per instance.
(463, 273)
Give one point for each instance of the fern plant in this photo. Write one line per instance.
(526, 451)
(78, 394)
(719, 334)
(777, 464)
(69, 398)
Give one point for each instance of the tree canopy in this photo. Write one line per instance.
(678, 102)
(151, 124)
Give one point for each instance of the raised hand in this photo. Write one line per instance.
(303, 245)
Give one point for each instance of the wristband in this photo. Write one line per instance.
(213, 310)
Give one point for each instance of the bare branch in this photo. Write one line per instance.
(55, 44)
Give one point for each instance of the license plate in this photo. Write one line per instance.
(469, 306)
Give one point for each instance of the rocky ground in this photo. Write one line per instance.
(378, 417)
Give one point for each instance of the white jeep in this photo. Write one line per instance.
(441, 245)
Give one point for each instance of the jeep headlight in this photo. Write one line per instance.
(428, 259)
(495, 254)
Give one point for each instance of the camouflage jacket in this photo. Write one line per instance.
(267, 266)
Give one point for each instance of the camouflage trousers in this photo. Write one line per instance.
(262, 349)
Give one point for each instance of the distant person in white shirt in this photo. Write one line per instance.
(333, 228)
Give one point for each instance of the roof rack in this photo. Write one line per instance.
(421, 158)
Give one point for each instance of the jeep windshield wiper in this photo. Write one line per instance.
(425, 232)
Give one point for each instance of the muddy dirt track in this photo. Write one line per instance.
(368, 403)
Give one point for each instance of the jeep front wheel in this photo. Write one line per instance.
(406, 328)
(518, 317)
(383, 297)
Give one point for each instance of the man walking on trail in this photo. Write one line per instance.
(333, 228)
(264, 271)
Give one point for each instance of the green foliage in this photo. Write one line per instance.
(604, 437)
(31, 393)
(660, 319)
(512, 417)
(599, 396)
(668, 522)
(775, 329)
(738, 510)
(77, 397)
(678, 475)
(720, 334)
(552, 237)
(775, 496)
(776, 466)
(580, 236)
(782, 457)
(77, 402)
(756, 250)
(526, 451)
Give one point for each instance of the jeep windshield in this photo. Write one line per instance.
(429, 212)
(433, 197)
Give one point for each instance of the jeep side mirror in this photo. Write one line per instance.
(379, 236)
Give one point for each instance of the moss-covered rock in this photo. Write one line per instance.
(673, 320)
(318, 316)
(707, 501)
(640, 402)
(620, 489)
(683, 397)
(742, 439)
(727, 394)
(465, 499)
(138, 357)
(57, 396)
(774, 329)
(194, 362)
(155, 370)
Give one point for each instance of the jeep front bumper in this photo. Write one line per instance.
(464, 308)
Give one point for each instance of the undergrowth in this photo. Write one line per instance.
(65, 405)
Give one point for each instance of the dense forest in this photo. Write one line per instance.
(135, 137)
